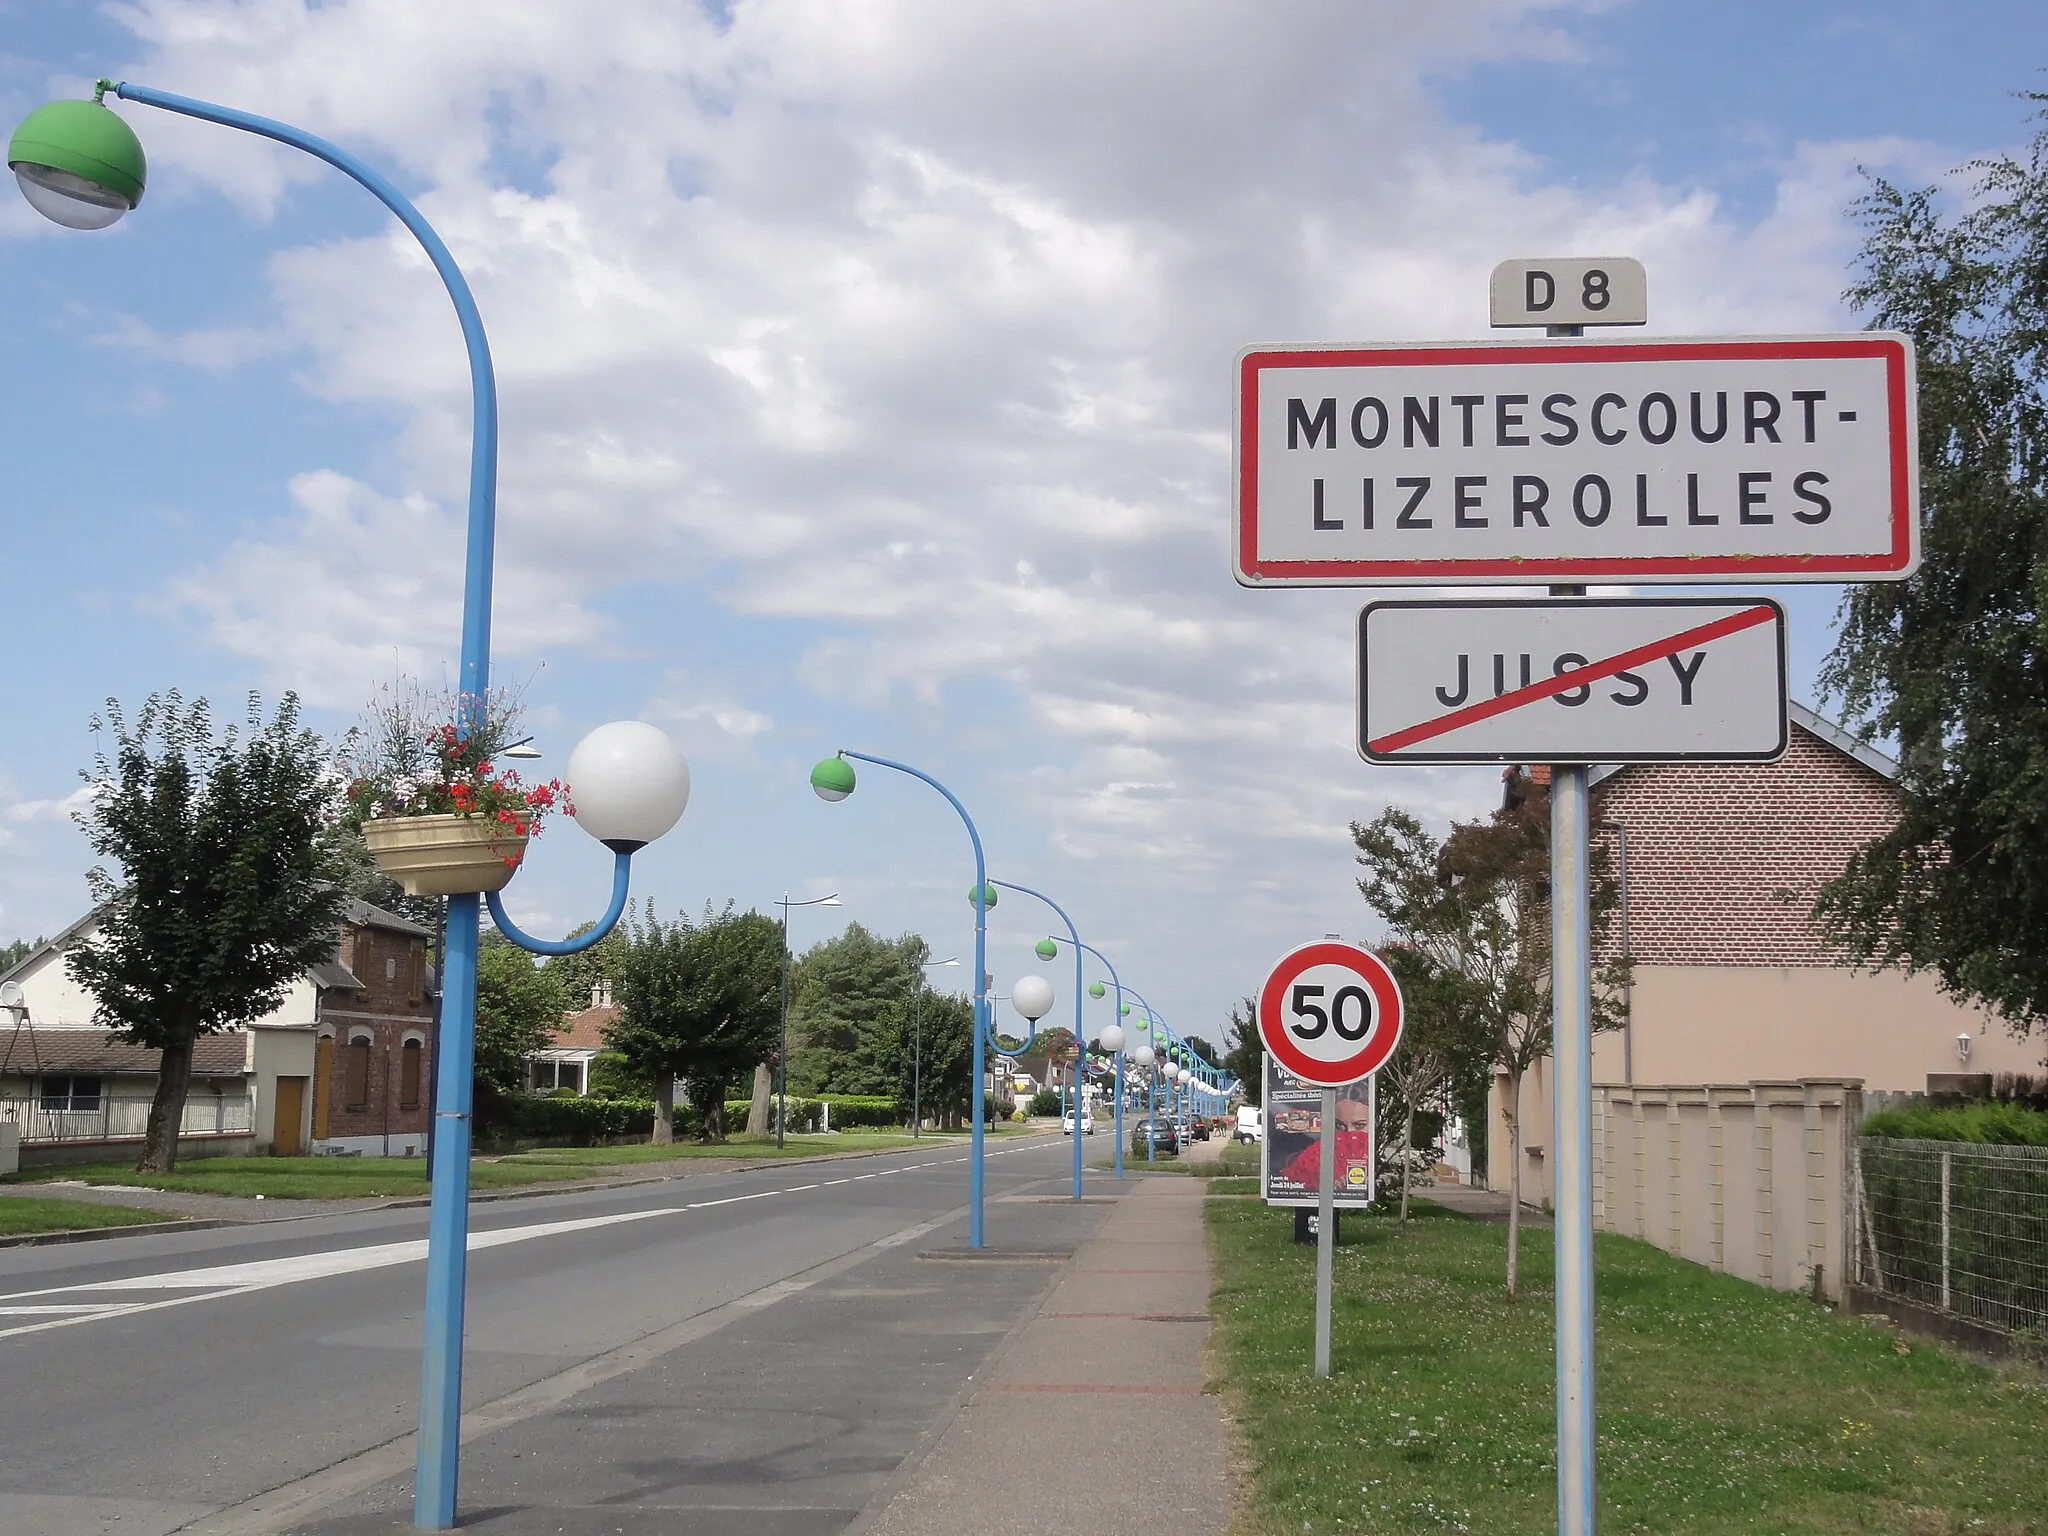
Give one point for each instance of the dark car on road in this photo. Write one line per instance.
(1144, 1131)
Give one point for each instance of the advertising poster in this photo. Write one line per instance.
(1289, 1150)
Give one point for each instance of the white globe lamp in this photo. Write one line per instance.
(1032, 997)
(1143, 1056)
(629, 784)
(1112, 1039)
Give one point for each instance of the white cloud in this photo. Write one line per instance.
(913, 324)
(61, 810)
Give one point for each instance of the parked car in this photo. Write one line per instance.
(1087, 1122)
(1199, 1128)
(1145, 1134)
(1249, 1128)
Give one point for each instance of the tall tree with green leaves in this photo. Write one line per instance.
(1439, 1037)
(1476, 905)
(519, 1008)
(19, 950)
(1950, 663)
(700, 1001)
(850, 1012)
(1245, 1059)
(226, 888)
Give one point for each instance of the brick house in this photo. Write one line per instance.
(1732, 983)
(338, 1066)
(372, 1032)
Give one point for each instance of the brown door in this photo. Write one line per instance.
(323, 1072)
(286, 1117)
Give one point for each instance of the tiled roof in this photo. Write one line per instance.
(584, 1030)
(29, 1050)
(363, 915)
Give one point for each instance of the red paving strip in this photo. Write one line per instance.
(1022, 1386)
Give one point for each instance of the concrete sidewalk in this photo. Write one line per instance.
(1092, 1414)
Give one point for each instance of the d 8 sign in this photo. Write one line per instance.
(1330, 1013)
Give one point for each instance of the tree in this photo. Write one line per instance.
(700, 1001)
(850, 1013)
(13, 954)
(227, 890)
(519, 1008)
(582, 974)
(1437, 1038)
(1950, 661)
(1203, 1049)
(1246, 1058)
(948, 1056)
(1477, 905)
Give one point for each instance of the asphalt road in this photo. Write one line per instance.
(747, 1352)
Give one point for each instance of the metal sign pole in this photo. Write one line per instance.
(1326, 1227)
(1571, 1104)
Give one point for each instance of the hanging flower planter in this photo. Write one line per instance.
(437, 814)
(447, 855)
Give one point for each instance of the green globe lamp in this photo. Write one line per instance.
(78, 163)
(1047, 949)
(833, 779)
(1097, 989)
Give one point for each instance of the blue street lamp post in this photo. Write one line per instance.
(833, 779)
(1095, 990)
(1046, 949)
(80, 165)
(782, 1050)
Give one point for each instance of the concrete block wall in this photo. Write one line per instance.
(1748, 1179)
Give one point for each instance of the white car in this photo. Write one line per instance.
(1087, 1123)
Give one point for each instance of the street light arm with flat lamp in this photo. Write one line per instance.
(81, 165)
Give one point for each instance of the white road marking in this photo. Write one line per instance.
(264, 1274)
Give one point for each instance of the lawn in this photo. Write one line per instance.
(355, 1178)
(1723, 1407)
(292, 1178)
(752, 1148)
(33, 1214)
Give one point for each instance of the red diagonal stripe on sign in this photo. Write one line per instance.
(1734, 623)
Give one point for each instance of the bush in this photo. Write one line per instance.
(1047, 1101)
(1992, 1123)
(849, 1111)
(612, 1078)
(573, 1122)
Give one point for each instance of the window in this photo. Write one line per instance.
(355, 1091)
(417, 953)
(69, 1093)
(409, 1075)
(363, 954)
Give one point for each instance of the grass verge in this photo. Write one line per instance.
(356, 1178)
(1723, 1407)
(293, 1178)
(32, 1213)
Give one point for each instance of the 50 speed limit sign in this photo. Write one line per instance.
(1330, 1013)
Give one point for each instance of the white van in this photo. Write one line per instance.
(1250, 1125)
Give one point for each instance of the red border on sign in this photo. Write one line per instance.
(1571, 568)
(1372, 1052)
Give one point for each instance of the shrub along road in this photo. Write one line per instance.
(1722, 1407)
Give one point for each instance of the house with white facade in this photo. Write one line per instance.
(339, 1066)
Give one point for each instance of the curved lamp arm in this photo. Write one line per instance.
(483, 452)
(621, 874)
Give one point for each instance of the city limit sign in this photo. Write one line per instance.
(1572, 680)
(1728, 461)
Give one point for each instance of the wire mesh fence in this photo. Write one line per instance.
(1957, 1226)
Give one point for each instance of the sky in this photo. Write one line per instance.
(865, 378)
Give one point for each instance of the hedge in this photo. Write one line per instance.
(1991, 1123)
(579, 1122)
(848, 1110)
